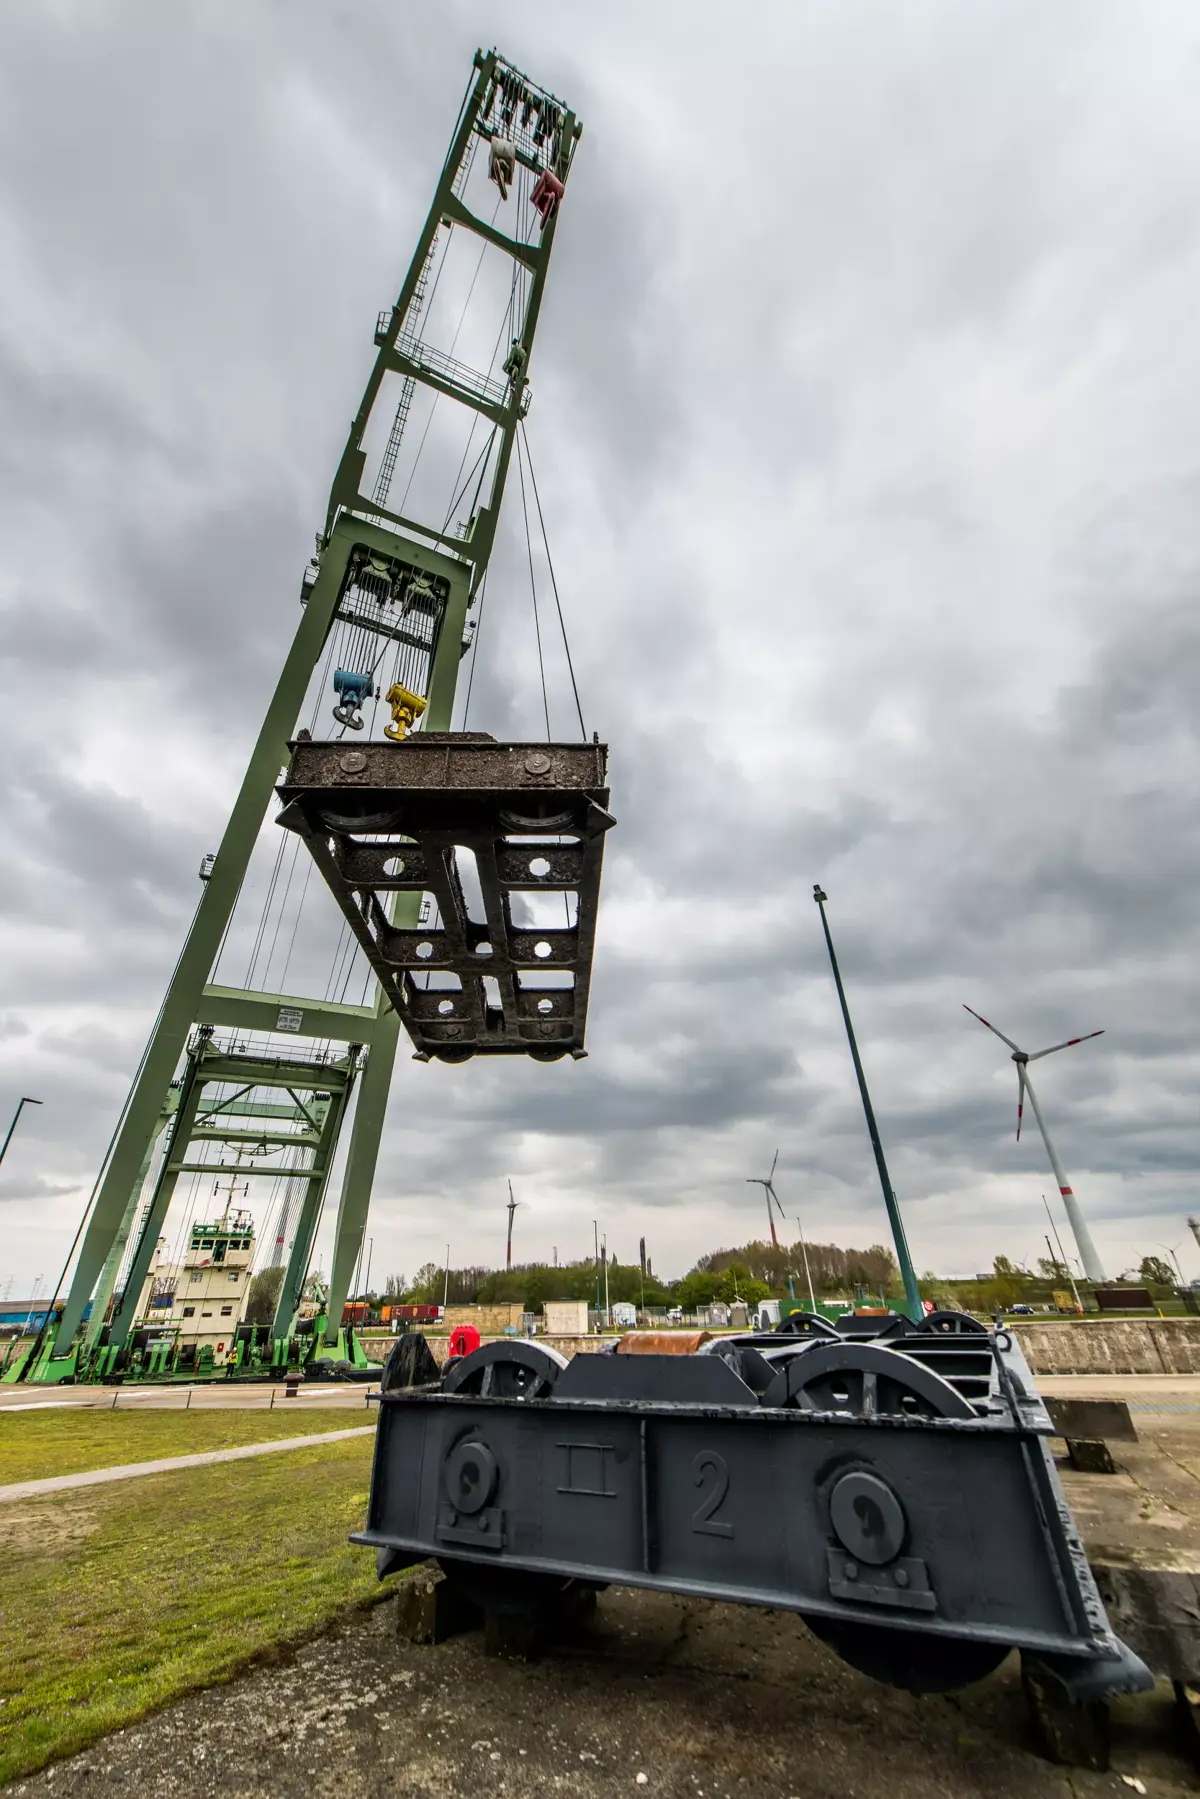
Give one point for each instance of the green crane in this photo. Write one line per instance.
(381, 584)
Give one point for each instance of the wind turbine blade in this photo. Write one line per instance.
(991, 1027)
(774, 1164)
(1070, 1042)
(1020, 1098)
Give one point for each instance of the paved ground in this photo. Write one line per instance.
(95, 1477)
(1121, 1386)
(704, 1701)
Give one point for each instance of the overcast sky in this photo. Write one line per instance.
(865, 418)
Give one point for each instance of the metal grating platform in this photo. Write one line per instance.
(410, 817)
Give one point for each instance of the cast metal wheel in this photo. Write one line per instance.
(909, 1659)
(864, 1380)
(952, 1324)
(515, 1370)
(804, 1324)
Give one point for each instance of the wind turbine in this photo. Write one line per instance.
(767, 1185)
(512, 1206)
(1087, 1249)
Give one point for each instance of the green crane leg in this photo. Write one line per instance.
(359, 1177)
(112, 1267)
(156, 1212)
(181, 1006)
(292, 1290)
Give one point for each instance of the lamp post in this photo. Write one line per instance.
(596, 1252)
(912, 1292)
(607, 1307)
(23, 1102)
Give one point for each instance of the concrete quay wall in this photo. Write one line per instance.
(1058, 1346)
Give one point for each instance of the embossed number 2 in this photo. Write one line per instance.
(708, 1462)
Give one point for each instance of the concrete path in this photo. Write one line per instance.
(96, 1477)
(239, 1396)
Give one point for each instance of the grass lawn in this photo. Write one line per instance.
(116, 1599)
(36, 1445)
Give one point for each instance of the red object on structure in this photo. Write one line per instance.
(463, 1339)
(546, 196)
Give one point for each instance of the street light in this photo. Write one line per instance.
(25, 1101)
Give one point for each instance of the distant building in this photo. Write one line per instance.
(213, 1285)
(26, 1316)
(566, 1318)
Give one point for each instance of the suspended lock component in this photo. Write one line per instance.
(502, 164)
(898, 1494)
(394, 817)
(354, 690)
(546, 196)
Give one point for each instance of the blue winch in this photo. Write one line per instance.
(354, 689)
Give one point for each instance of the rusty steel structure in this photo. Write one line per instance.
(409, 817)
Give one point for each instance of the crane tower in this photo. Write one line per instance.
(387, 611)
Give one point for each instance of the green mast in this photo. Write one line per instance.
(912, 1292)
(398, 580)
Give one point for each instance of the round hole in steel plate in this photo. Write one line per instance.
(483, 949)
(394, 865)
(539, 866)
(445, 1005)
(541, 950)
(545, 1005)
(424, 950)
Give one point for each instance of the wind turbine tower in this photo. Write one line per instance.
(757, 1180)
(512, 1206)
(1092, 1266)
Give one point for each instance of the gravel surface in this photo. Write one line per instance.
(655, 1695)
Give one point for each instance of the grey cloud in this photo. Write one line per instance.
(864, 402)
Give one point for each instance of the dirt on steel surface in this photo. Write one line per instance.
(672, 1698)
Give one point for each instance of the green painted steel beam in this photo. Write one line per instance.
(307, 1076)
(242, 1108)
(106, 1285)
(242, 1011)
(292, 1289)
(455, 213)
(283, 1139)
(244, 1172)
(221, 889)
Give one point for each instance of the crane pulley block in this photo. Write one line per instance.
(507, 838)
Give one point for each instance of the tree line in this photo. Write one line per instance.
(752, 1271)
